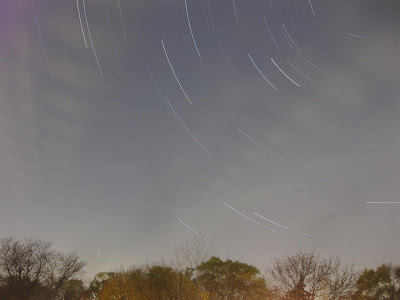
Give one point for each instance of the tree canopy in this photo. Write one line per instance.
(382, 283)
(231, 279)
(147, 283)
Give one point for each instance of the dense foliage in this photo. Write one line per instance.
(384, 283)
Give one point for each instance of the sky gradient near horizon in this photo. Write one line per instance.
(123, 116)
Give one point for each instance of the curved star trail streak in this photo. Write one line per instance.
(261, 73)
(312, 9)
(382, 202)
(290, 37)
(110, 28)
(122, 20)
(202, 237)
(189, 47)
(195, 232)
(284, 73)
(270, 33)
(262, 147)
(217, 38)
(355, 142)
(163, 98)
(41, 41)
(190, 27)
(287, 40)
(206, 16)
(332, 136)
(90, 38)
(323, 71)
(255, 222)
(80, 22)
(375, 145)
(302, 233)
(187, 129)
(173, 72)
(300, 72)
(291, 22)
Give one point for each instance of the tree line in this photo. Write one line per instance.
(31, 269)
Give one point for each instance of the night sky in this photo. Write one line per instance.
(119, 118)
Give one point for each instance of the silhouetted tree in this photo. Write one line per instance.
(30, 267)
(305, 274)
(298, 292)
